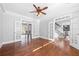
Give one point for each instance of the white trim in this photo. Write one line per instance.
(15, 41)
(49, 28)
(10, 42)
(19, 15)
(36, 37)
(16, 14)
(41, 37)
(47, 38)
(20, 40)
(53, 40)
(74, 46)
(44, 37)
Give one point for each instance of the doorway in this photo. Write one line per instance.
(50, 31)
(62, 28)
(26, 36)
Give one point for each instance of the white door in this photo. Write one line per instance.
(24, 34)
(75, 33)
(18, 29)
(50, 31)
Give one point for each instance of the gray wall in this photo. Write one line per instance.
(1, 16)
(44, 28)
(75, 30)
(8, 26)
(35, 28)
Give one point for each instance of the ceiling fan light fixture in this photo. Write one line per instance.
(39, 10)
(40, 14)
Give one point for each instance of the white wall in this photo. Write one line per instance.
(9, 30)
(35, 28)
(1, 17)
(39, 28)
(44, 28)
(56, 12)
(74, 27)
(75, 30)
(8, 27)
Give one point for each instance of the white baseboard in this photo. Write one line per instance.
(10, 42)
(36, 37)
(15, 41)
(44, 37)
(47, 38)
(20, 40)
(75, 47)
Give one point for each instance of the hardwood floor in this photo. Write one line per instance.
(39, 47)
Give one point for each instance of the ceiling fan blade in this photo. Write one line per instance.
(32, 11)
(43, 13)
(38, 13)
(35, 6)
(44, 8)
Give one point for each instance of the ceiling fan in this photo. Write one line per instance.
(39, 10)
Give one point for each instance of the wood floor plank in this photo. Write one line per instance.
(43, 48)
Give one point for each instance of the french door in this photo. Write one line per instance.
(50, 31)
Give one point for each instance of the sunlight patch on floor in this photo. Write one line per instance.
(41, 46)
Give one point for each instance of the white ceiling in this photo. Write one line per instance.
(54, 9)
